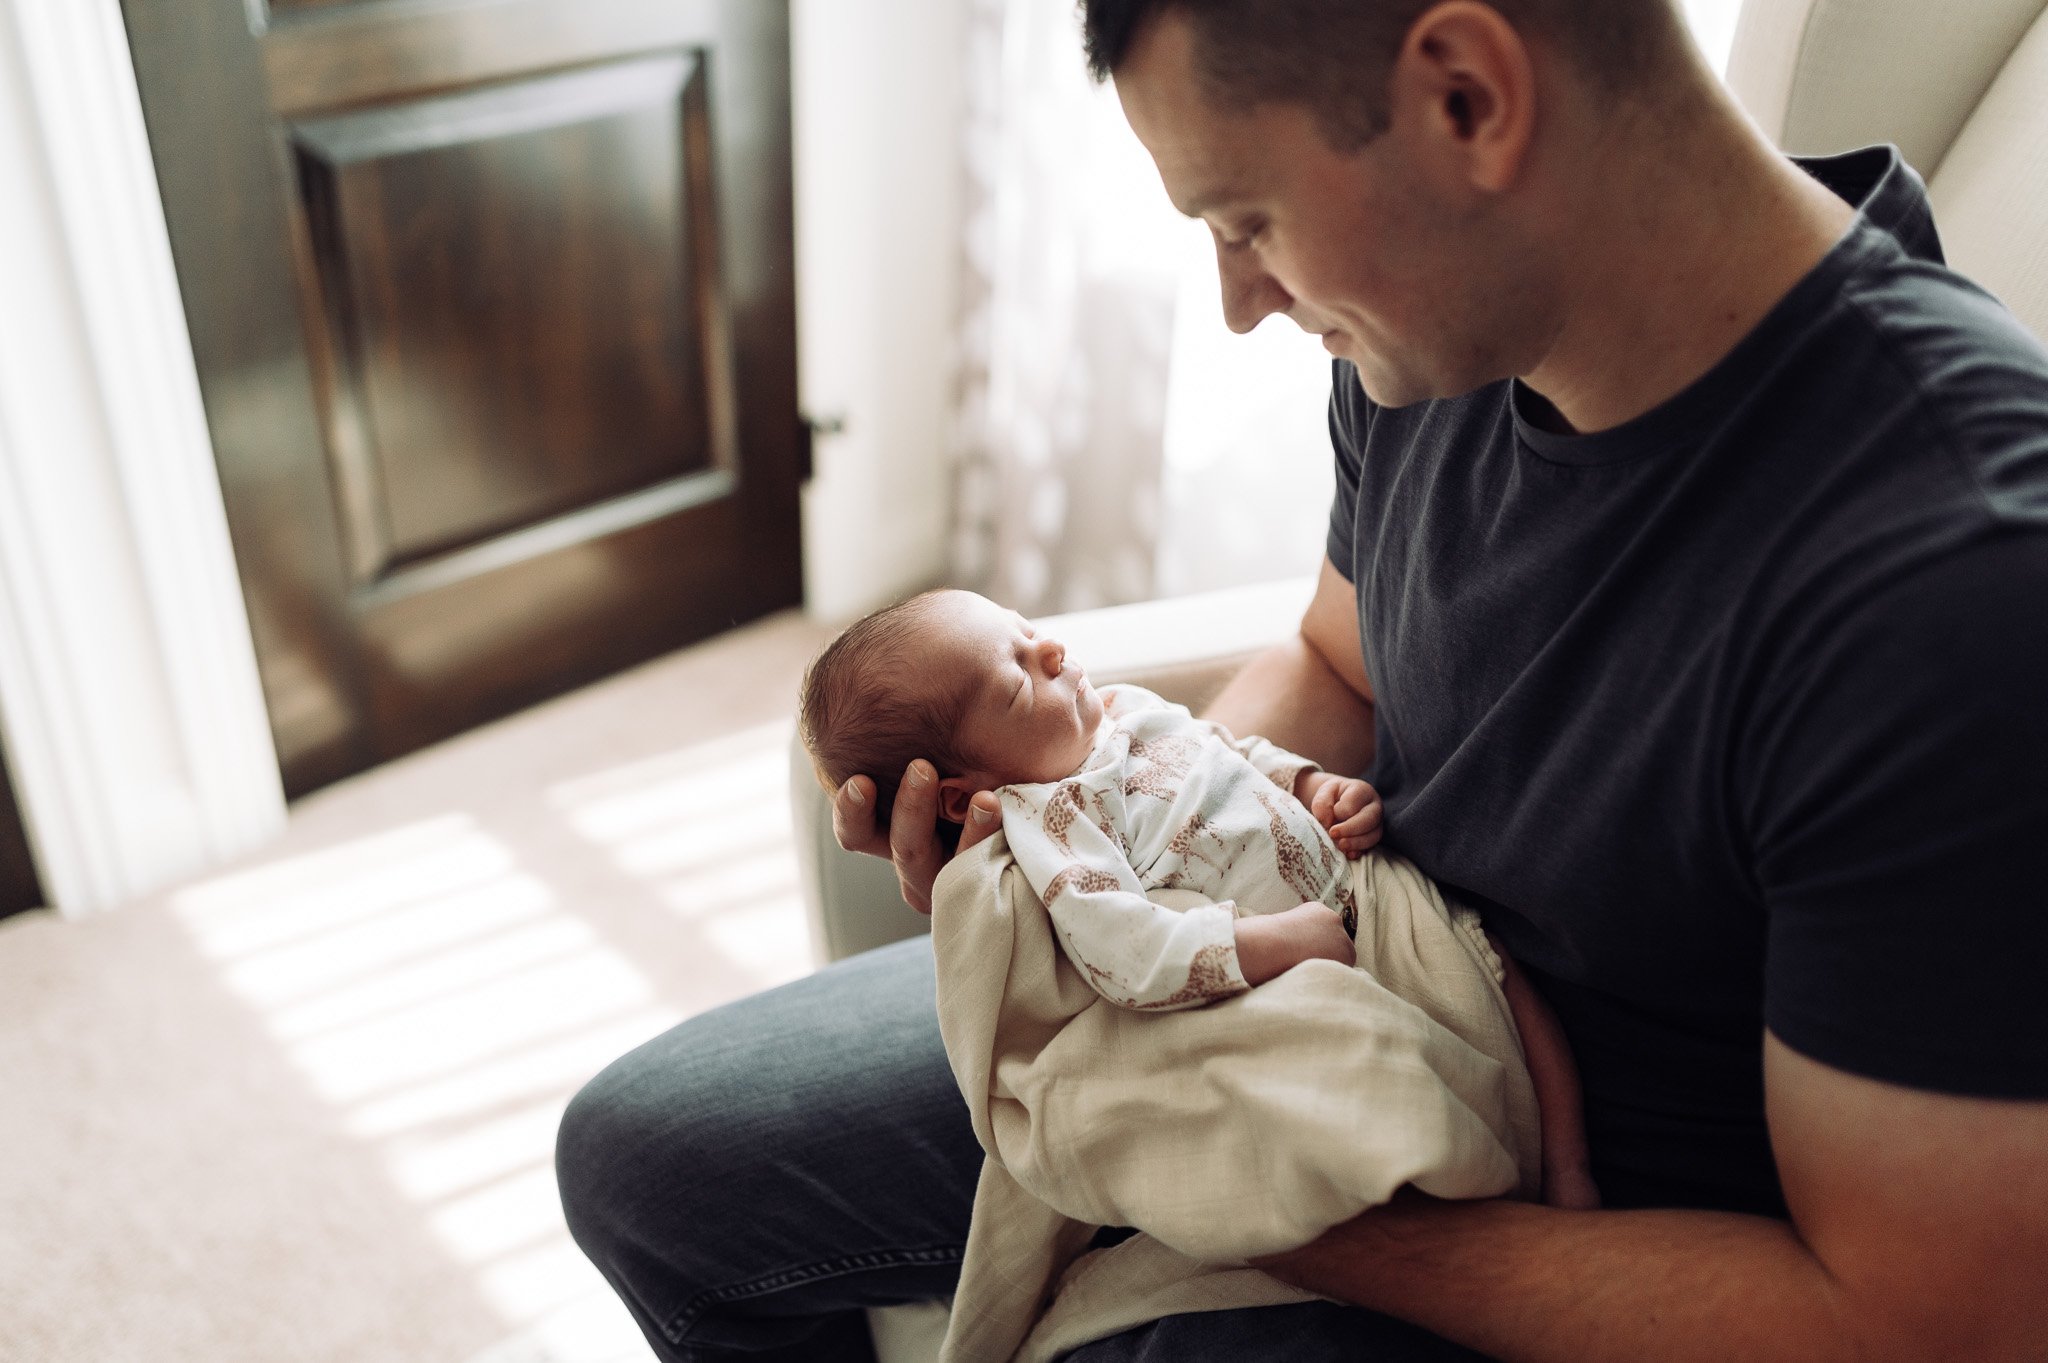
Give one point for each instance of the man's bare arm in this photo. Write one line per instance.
(1309, 694)
(1919, 1232)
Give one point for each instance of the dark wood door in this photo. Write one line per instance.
(493, 312)
(20, 888)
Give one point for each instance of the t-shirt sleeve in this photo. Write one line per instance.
(1898, 806)
(1348, 419)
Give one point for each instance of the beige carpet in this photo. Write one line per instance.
(305, 1109)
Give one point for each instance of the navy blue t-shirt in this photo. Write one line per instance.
(1736, 715)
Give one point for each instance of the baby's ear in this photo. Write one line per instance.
(956, 793)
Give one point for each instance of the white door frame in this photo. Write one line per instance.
(130, 705)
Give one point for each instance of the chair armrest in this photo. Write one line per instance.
(1185, 648)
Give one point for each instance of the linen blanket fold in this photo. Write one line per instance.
(1223, 1133)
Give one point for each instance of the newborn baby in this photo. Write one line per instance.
(1109, 798)
(1177, 865)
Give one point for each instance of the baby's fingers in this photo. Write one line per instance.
(1360, 833)
(1358, 845)
(1361, 817)
(1324, 805)
(1353, 797)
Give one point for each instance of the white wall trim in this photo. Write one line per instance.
(130, 704)
(876, 90)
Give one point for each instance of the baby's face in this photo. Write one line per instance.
(1032, 715)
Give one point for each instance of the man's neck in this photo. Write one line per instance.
(1682, 257)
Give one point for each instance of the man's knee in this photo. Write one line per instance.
(638, 1149)
(815, 1085)
(603, 1136)
(667, 1135)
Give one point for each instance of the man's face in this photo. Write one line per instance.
(1362, 248)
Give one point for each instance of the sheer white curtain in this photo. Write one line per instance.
(1114, 440)
(1071, 278)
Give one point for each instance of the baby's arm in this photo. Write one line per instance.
(1133, 952)
(1271, 944)
(1348, 807)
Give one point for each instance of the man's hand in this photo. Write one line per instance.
(1345, 805)
(911, 840)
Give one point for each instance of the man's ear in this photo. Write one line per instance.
(955, 794)
(1468, 74)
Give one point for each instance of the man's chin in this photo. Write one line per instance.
(1403, 390)
(1384, 389)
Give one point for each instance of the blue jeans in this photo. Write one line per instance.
(751, 1179)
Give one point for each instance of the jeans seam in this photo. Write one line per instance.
(679, 1324)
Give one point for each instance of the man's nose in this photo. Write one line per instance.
(1250, 295)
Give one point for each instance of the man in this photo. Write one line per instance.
(1683, 601)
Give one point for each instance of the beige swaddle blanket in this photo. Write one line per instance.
(1223, 1133)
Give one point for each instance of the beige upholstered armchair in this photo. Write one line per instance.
(1962, 88)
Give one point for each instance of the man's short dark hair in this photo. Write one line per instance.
(1335, 56)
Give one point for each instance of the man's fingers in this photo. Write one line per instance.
(914, 816)
(984, 816)
(853, 818)
(915, 897)
(913, 835)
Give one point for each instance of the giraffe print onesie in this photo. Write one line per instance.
(1166, 801)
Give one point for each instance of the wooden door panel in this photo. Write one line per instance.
(20, 887)
(505, 626)
(493, 307)
(514, 304)
(336, 54)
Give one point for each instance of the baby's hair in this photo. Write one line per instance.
(870, 705)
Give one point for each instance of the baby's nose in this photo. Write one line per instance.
(1053, 654)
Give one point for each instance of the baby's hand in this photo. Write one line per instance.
(1345, 805)
(1272, 944)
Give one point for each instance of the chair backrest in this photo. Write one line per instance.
(1961, 88)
